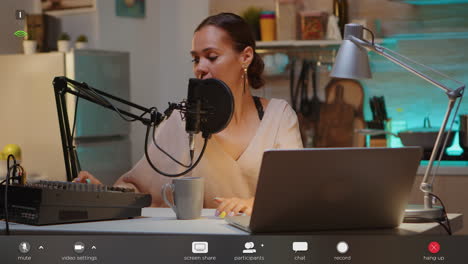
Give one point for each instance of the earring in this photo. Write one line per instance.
(244, 76)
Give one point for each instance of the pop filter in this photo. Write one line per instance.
(210, 106)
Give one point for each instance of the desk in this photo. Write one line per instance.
(162, 221)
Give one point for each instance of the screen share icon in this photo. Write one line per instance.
(199, 247)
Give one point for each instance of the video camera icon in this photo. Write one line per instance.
(79, 247)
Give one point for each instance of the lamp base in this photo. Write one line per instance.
(416, 213)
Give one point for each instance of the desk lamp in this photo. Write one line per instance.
(352, 63)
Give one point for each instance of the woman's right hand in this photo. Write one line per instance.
(86, 177)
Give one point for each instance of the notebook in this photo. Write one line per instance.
(331, 189)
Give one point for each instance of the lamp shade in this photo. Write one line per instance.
(352, 61)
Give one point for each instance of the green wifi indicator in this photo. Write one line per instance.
(20, 34)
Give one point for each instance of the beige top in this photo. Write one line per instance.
(224, 176)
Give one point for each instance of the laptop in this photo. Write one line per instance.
(331, 189)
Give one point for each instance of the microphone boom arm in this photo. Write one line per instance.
(82, 90)
(210, 103)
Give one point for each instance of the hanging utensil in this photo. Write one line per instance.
(304, 107)
(296, 90)
(292, 76)
(315, 102)
(384, 108)
(372, 107)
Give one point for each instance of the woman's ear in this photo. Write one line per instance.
(247, 56)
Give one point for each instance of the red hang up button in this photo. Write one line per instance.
(434, 247)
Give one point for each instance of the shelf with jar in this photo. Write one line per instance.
(278, 54)
(293, 26)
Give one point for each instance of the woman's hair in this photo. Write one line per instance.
(242, 36)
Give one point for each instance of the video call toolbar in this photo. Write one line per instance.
(234, 249)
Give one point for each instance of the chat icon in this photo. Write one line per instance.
(300, 246)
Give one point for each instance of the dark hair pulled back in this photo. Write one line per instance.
(242, 36)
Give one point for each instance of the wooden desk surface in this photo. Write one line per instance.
(163, 221)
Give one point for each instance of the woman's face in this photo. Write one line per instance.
(214, 57)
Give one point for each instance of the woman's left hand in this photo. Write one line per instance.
(233, 206)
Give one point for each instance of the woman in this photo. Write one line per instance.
(223, 47)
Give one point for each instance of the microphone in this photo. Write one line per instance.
(193, 117)
(209, 108)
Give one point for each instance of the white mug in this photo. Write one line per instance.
(188, 197)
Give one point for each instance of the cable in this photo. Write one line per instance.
(445, 213)
(5, 201)
(167, 154)
(98, 97)
(105, 101)
(73, 147)
(372, 34)
(94, 95)
(421, 65)
(20, 173)
(74, 115)
(90, 92)
(11, 178)
(148, 129)
(428, 220)
(447, 229)
(168, 113)
(444, 222)
(11, 175)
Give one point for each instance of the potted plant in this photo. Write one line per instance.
(63, 43)
(81, 42)
(252, 16)
(29, 44)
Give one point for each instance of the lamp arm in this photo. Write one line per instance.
(426, 185)
(451, 93)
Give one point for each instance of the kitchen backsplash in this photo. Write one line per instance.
(410, 98)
